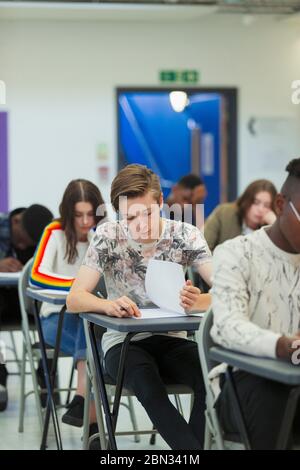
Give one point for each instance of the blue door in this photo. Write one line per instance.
(153, 134)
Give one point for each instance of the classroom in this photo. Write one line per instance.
(149, 227)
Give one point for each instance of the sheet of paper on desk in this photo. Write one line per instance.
(150, 313)
(164, 281)
(11, 275)
(157, 313)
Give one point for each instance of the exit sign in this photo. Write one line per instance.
(179, 76)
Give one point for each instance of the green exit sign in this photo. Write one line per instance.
(179, 76)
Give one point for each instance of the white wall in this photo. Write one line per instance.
(61, 76)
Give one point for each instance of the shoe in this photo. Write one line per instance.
(95, 443)
(74, 414)
(42, 383)
(3, 388)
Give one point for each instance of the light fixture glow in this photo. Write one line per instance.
(178, 100)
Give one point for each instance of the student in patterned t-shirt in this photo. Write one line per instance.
(120, 252)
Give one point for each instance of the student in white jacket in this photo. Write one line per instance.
(256, 303)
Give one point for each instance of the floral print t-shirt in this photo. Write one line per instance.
(123, 262)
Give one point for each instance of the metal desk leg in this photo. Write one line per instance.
(288, 419)
(110, 418)
(49, 383)
(52, 379)
(101, 386)
(120, 379)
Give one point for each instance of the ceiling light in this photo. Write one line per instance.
(178, 100)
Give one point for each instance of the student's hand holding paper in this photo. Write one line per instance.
(189, 296)
(121, 307)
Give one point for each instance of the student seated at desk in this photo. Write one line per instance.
(20, 231)
(256, 304)
(120, 251)
(58, 257)
(252, 210)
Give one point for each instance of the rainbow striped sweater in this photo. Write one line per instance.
(51, 269)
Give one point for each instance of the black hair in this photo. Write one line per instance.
(190, 181)
(293, 168)
(16, 211)
(291, 185)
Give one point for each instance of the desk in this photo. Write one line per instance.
(38, 296)
(9, 279)
(131, 327)
(272, 369)
(12, 280)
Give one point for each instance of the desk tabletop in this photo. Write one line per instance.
(37, 294)
(134, 325)
(273, 369)
(9, 279)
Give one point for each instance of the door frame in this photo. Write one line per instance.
(231, 98)
(4, 183)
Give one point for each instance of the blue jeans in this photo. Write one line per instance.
(72, 337)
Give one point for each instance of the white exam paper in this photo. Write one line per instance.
(164, 281)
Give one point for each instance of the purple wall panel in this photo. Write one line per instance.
(3, 163)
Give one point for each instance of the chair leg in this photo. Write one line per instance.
(207, 438)
(22, 390)
(35, 388)
(85, 437)
(218, 437)
(70, 385)
(98, 405)
(133, 419)
(153, 438)
(14, 349)
(178, 404)
(29, 353)
(100, 420)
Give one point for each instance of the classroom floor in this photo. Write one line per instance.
(71, 436)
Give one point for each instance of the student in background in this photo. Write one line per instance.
(20, 231)
(120, 251)
(253, 209)
(58, 257)
(190, 190)
(256, 303)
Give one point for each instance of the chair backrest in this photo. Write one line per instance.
(205, 342)
(101, 287)
(26, 303)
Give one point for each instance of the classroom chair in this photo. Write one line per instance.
(214, 434)
(31, 353)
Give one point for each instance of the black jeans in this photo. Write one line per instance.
(263, 404)
(150, 364)
(9, 307)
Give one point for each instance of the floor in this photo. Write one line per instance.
(71, 436)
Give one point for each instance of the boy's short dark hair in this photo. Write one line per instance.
(35, 218)
(190, 181)
(293, 168)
